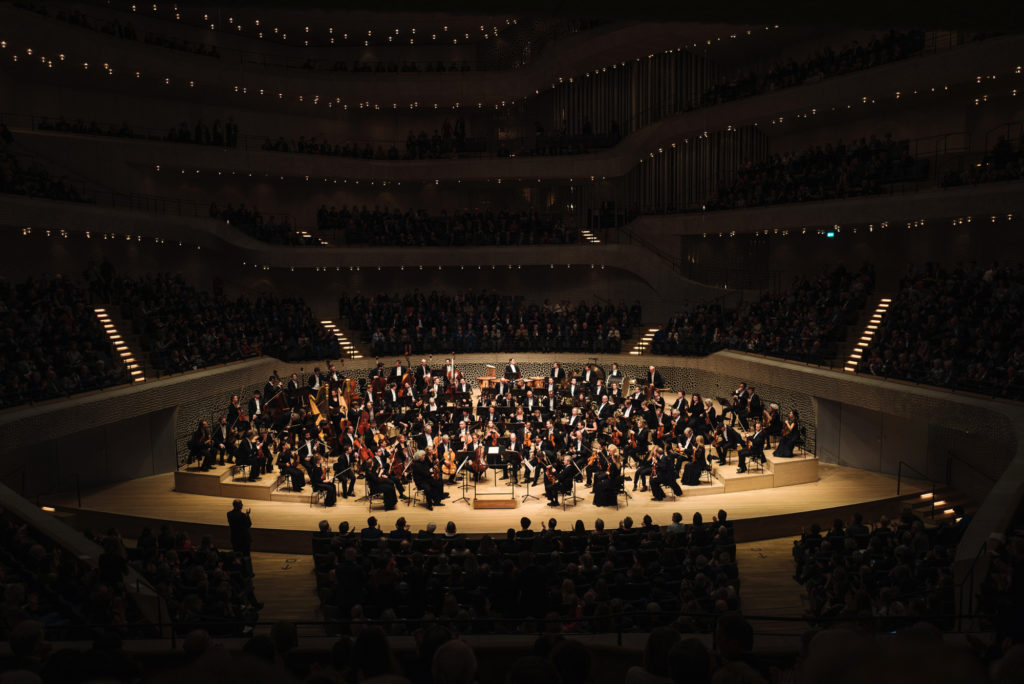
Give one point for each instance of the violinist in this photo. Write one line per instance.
(534, 461)
(710, 416)
(381, 485)
(644, 468)
(236, 414)
(790, 435)
(201, 447)
(423, 374)
(726, 438)
(423, 478)
(288, 464)
(345, 470)
(754, 448)
(696, 465)
(391, 396)
(309, 446)
(773, 421)
(595, 463)
(558, 480)
(249, 455)
(664, 475)
(552, 440)
(321, 481)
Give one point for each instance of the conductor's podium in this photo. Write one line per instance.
(777, 472)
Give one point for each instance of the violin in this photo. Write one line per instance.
(549, 474)
(397, 468)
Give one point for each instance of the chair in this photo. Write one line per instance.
(371, 495)
(801, 441)
(316, 496)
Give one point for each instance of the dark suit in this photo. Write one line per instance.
(239, 523)
(316, 475)
(665, 472)
(756, 450)
(431, 488)
(729, 439)
(513, 372)
(655, 379)
(343, 473)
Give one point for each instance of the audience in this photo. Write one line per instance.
(122, 30)
(449, 141)
(1003, 162)
(881, 49)
(803, 323)
(275, 230)
(957, 328)
(184, 329)
(383, 228)
(416, 323)
(42, 582)
(630, 579)
(220, 135)
(894, 575)
(18, 178)
(863, 168)
(51, 342)
(202, 585)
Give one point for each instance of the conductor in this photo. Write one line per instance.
(239, 522)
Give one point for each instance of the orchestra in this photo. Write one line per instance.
(416, 425)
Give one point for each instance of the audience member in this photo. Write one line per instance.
(51, 342)
(958, 328)
(417, 323)
(384, 228)
(803, 323)
(832, 172)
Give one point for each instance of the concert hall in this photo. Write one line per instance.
(514, 343)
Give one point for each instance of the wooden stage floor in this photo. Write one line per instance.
(758, 514)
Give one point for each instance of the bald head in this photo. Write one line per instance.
(454, 663)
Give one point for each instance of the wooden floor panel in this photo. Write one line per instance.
(151, 500)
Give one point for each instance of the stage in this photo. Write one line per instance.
(284, 526)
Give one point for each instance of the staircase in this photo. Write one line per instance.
(123, 343)
(937, 508)
(348, 349)
(868, 324)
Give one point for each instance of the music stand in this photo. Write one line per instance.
(465, 478)
(575, 499)
(529, 480)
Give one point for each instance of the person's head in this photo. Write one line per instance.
(372, 654)
(236, 505)
(552, 523)
(325, 526)
(285, 636)
(371, 522)
(533, 670)
(400, 523)
(27, 639)
(677, 518)
(572, 660)
(734, 636)
(454, 663)
(698, 519)
(689, 661)
(659, 644)
(722, 515)
(524, 523)
(449, 529)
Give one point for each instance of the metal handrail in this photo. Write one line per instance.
(949, 468)
(969, 581)
(899, 482)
